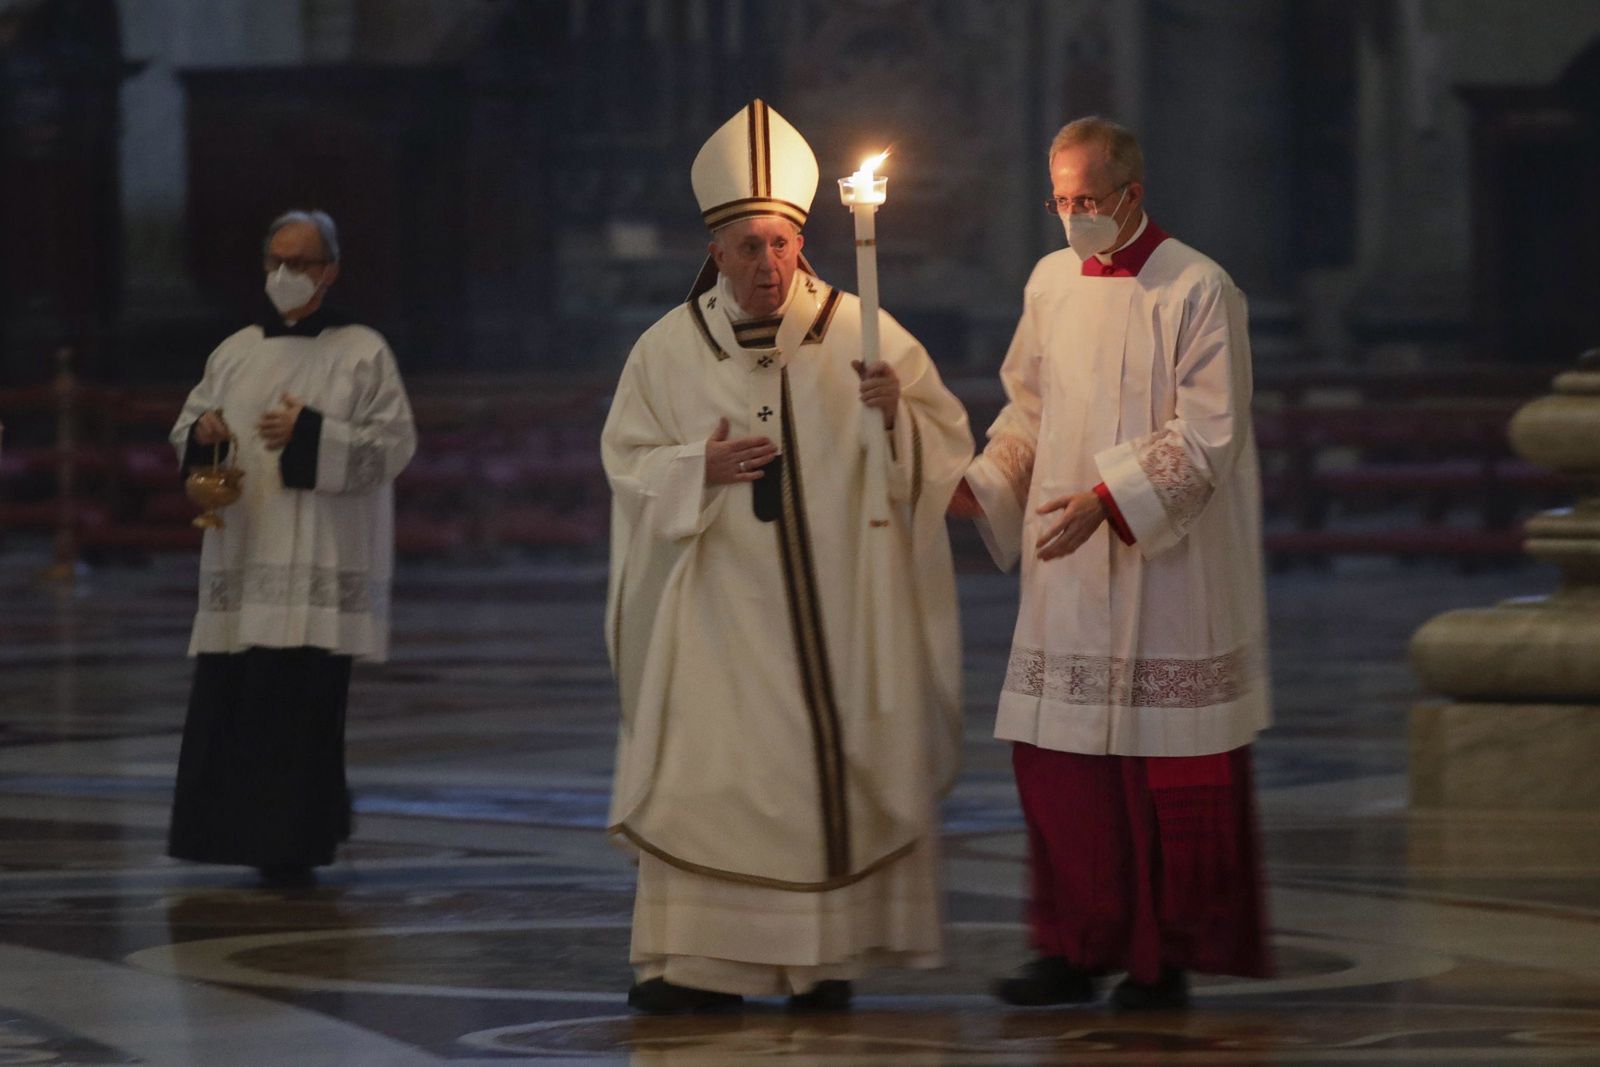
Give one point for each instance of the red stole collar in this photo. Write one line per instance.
(1128, 261)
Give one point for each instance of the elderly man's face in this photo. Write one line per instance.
(758, 257)
(298, 246)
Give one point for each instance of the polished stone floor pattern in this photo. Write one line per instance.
(478, 917)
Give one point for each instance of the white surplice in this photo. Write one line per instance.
(788, 725)
(1142, 383)
(298, 567)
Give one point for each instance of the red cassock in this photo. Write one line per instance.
(1143, 862)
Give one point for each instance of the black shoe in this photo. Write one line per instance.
(287, 876)
(1046, 980)
(831, 994)
(1170, 992)
(660, 997)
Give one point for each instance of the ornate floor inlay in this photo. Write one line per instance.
(478, 917)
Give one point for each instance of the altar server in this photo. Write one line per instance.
(1124, 474)
(296, 584)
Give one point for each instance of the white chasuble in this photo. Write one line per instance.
(1139, 380)
(783, 728)
(304, 567)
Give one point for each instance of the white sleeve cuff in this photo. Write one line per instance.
(1001, 523)
(680, 501)
(1141, 509)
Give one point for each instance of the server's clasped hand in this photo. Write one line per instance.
(1082, 514)
(276, 427)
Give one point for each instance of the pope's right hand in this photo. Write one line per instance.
(738, 460)
(211, 429)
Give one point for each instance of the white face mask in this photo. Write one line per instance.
(288, 290)
(1091, 234)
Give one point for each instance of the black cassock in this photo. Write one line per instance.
(261, 772)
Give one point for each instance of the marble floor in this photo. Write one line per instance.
(479, 918)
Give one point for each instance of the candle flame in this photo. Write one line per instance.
(870, 165)
(864, 189)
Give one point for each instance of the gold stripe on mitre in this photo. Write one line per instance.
(753, 207)
(760, 149)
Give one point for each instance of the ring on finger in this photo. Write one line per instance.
(741, 466)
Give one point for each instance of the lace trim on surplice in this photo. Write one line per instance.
(1139, 683)
(282, 585)
(1179, 483)
(1013, 457)
(366, 467)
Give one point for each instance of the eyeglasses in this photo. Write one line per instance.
(297, 264)
(1080, 205)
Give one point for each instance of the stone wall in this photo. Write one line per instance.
(1375, 269)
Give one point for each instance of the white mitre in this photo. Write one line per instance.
(756, 165)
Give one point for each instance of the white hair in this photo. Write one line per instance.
(320, 219)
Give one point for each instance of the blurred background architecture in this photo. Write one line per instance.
(1402, 187)
(1394, 182)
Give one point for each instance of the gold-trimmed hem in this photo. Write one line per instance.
(705, 330)
(623, 831)
(824, 319)
(916, 458)
(811, 648)
(616, 633)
